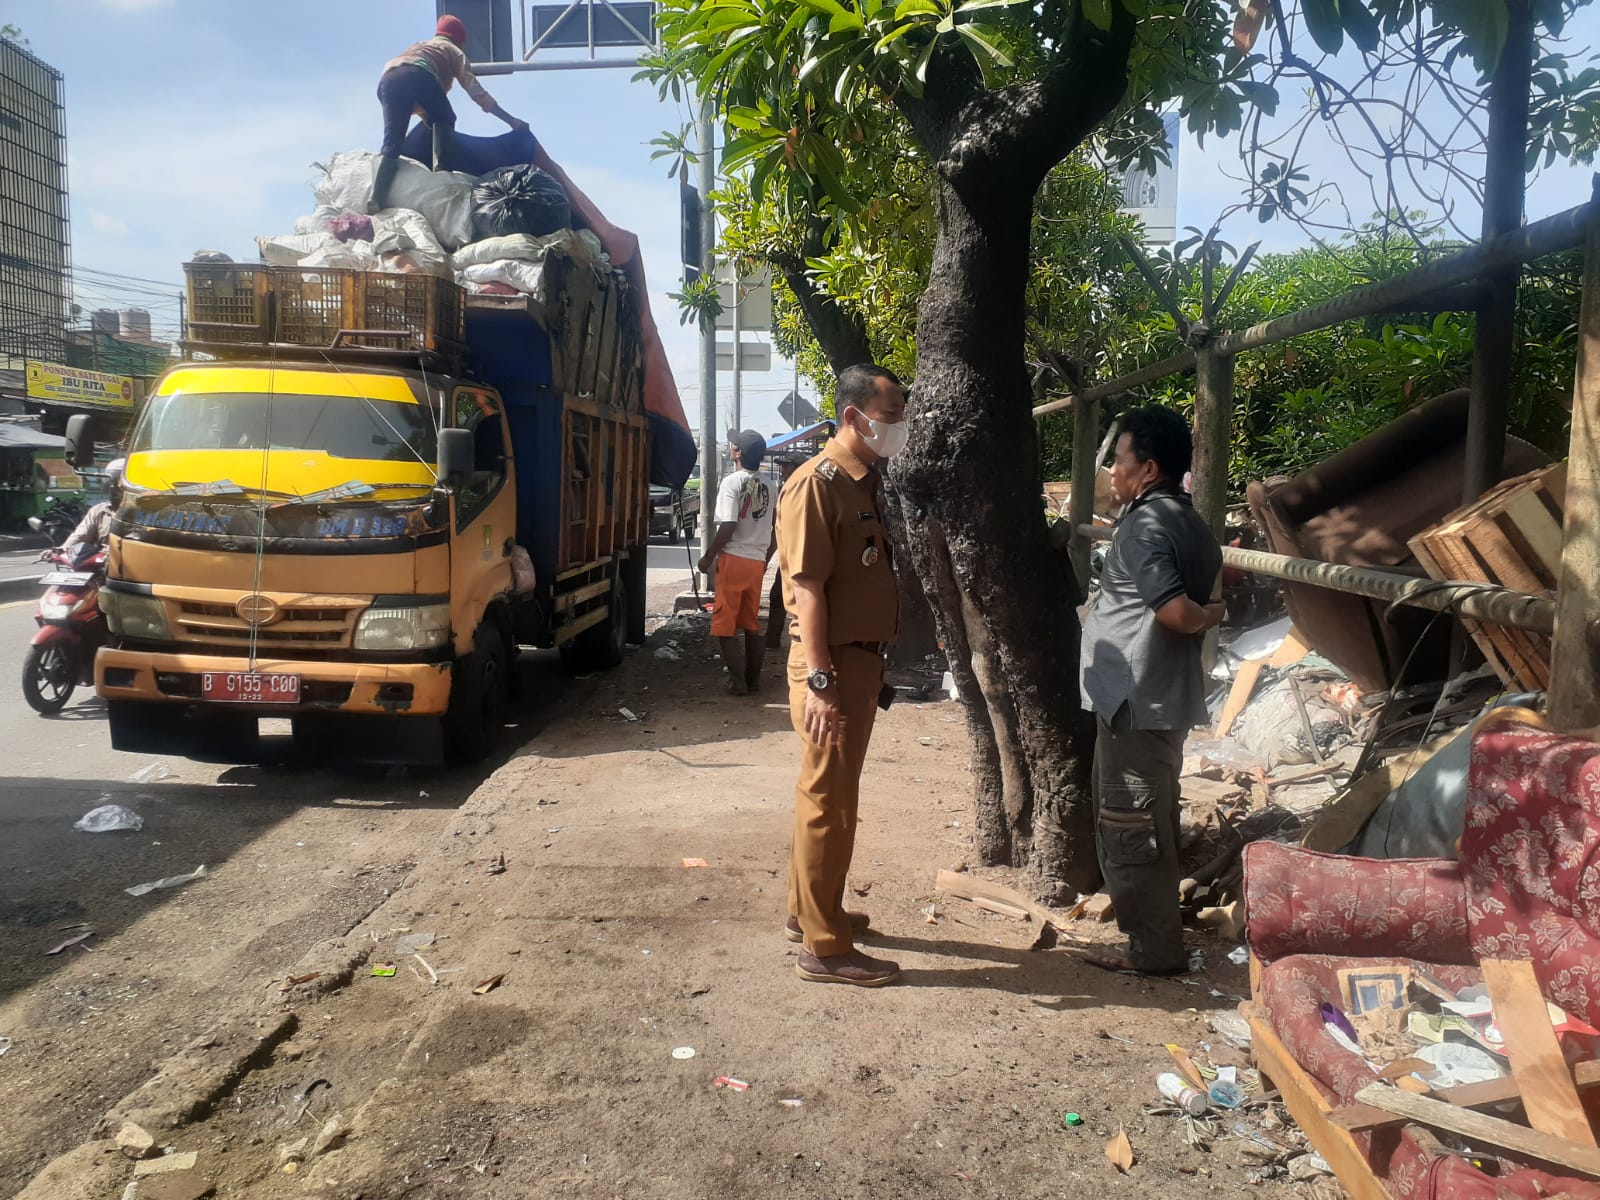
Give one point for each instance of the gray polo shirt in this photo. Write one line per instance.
(1162, 549)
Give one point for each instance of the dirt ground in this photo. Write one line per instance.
(568, 1077)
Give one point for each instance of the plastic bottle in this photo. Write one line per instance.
(1191, 1100)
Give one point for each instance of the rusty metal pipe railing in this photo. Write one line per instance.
(1475, 601)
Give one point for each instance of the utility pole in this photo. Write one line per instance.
(737, 412)
(709, 460)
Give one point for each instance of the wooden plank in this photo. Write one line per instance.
(1574, 700)
(1358, 1117)
(1422, 547)
(1309, 1108)
(965, 887)
(1294, 648)
(1214, 791)
(1481, 1128)
(1244, 683)
(1539, 533)
(1530, 1042)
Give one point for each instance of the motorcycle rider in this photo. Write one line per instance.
(94, 531)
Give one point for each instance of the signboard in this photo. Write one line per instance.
(73, 385)
(755, 301)
(753, 356)
(1153, 196)
(798, 411)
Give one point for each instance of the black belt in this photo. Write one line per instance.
(873, 647)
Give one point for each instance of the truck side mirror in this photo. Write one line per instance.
(80, 441)
(457, 453)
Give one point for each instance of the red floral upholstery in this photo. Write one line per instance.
(1529, 851)
(1304, 902)
(1528, 887)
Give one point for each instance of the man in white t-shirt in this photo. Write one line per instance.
(740, 549)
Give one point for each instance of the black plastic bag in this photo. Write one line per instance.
(520, 199)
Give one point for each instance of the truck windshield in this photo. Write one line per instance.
(340, 426)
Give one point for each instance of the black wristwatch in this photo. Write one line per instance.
(822, 681)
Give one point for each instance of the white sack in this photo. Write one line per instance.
(406, 230)
(444, 198)
(356, 255)
(524, 276)
(292, 249)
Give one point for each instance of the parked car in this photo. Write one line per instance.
(674, 511)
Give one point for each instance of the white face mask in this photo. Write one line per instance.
(885, 440)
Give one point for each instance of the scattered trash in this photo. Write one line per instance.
(1120, 1151)
(862, 889)
(646, 953)
(791, 1101)
(427, 966)
(171, 881)
(924, 741)
(669, 653)
(498, 866)
(5, 1045)
(1197, 961)
(167, 1164)
(294, 1152)
(1175, 1088)
(1308, 1167)
(930, 915)
(1071, 1120)
(695, 862)
(135, 1141)
(948, 686)
(1231, 1028)
(383, 970)
(1240, 956)
(109, 818)
(71, 941)
(1225, 1093)
(628, 714)
(682, 1052)
(332, 1130)
(488, 985)
(297, 980)
(737, 1085)
(412, 942)
(1453, 1064)
(154, 773)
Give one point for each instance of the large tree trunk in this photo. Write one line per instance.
(980, 544)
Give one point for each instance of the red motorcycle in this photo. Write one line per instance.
(71, 629)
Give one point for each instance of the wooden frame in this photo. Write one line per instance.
(1561, 1133)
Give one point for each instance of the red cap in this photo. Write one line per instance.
(452, 28)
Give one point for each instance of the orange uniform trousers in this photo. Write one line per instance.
(827, 795)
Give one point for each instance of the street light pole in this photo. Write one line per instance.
(709, 459)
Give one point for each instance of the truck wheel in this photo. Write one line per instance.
(49, 675)
(673, 525)
(479, 694)
(601, 647)
(140, 727)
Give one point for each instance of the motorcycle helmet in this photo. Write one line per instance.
(114, 470)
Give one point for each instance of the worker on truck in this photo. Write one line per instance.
(416, 83)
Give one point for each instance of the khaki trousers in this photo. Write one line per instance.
(826, 796)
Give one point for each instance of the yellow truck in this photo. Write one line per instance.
(365, 493)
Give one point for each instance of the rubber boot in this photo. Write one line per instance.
(443, 140)
(382, 180)
(733, 659)
(755, 651)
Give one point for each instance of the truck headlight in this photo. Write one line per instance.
(143, 618)
(394, 629)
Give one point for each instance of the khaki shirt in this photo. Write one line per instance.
(446, 62)
(829, 523)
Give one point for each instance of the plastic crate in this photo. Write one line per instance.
(238, 305)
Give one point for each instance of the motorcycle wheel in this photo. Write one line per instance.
(49, 676)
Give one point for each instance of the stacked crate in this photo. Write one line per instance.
(1511, 537)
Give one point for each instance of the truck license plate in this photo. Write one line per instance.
(250, 687)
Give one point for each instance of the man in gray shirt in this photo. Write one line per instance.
(1141, 676)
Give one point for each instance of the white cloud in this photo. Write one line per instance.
(108, 225)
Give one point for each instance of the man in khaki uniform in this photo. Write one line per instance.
(839, 584)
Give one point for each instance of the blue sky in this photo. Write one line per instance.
(194, 123)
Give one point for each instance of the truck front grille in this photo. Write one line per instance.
(296, 627)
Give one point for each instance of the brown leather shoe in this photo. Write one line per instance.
(792, 930)
(854, 968)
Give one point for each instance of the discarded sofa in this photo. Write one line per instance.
(1360, 508)
(1524, 889)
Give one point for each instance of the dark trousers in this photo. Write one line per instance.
(404, 90)
(1136, 833)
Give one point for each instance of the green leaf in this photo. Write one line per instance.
(1098, 13)
(975, 5)
(1360, 24)
(916, 8)
(1324, 25)
(1263, 96)
(984, 41)
(894, 35)
(920, 72)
